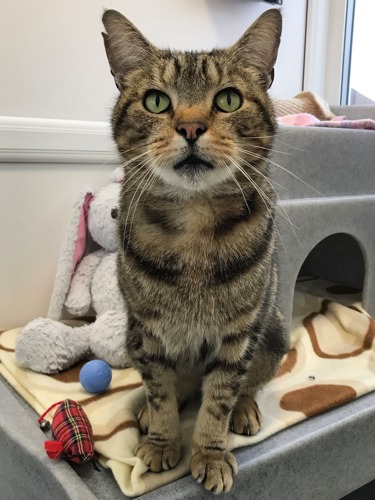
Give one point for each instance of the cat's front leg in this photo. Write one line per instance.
(212, 463)
(161, 449)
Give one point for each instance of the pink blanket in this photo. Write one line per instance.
(308, 120)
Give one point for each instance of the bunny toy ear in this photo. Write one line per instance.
(72, 251)
(82, 231)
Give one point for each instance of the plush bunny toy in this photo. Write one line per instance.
(47, 345)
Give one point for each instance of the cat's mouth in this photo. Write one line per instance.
(192, 165)
(193, 173)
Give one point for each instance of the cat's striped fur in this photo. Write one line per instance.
(196, 265)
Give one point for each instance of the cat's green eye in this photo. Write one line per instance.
(156, 101)
(228, 100)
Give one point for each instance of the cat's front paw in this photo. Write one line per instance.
(159, 457)
(246, 418)
(214, 469)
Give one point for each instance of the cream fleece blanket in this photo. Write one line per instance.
(331, 361)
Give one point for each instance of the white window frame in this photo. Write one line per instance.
(324, 48)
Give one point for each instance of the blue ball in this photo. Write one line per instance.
(95, 376)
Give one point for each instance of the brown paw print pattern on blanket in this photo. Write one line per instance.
(331, 362)
(351, 334)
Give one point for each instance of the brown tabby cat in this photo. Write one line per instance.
(196, 265)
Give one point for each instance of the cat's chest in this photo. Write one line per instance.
(198, 236)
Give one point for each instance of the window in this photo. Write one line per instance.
(339, 56)
(358, 84)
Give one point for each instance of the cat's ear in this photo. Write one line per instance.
(127, 49)
(259, 45)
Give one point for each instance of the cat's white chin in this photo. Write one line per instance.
(196, 182)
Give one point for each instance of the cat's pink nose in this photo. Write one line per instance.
(191, 130)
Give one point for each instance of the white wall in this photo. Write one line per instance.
(52, 57)
(53, 66)
(35, 202)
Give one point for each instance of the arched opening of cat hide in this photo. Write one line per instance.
(338, 260)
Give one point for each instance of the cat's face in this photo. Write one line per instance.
(192, 118)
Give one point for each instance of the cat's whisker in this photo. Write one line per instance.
(134, 159)
(263, 196)
(279, 235)
(260, 157)
(146, 174)
(272, 182)
(140, 180)
(110, 161)
(290, 146)
(127, 186)
(277, 133)
(273, 205)
(293, 226)
(252, 182)
(266, 198)
(137, 169)
(141, 145)
(102, 165)
(272, 150)
(147, 182)
(238, 184)
(128, 174)
(274, 137)
(133, 171)
(244, 136)
(267, 179)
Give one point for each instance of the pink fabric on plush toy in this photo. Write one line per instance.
(82, 230)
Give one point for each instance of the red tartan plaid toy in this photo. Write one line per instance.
(71, 432)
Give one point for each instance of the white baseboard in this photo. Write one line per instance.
(40, 140)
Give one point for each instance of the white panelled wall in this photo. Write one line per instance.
(55, 97)
(52, 57)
